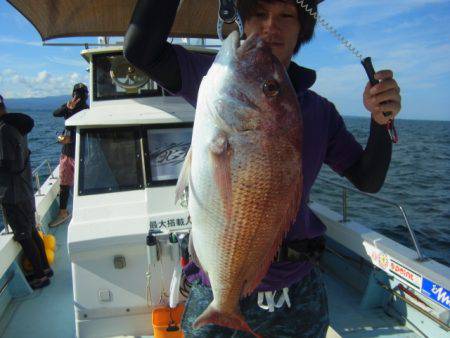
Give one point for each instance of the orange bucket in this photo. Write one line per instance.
(167, 322)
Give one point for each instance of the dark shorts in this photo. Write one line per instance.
(21, 218)
(307, 316)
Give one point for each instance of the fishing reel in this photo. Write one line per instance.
(126, 75)
(228, 14)
(63, 139)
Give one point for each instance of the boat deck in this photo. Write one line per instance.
(349, 320)
(48, 313)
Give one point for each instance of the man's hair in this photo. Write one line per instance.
(81, 91)
(247, 9)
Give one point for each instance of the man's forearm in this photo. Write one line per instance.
(146, 45)
(61, 111)
(369, 172)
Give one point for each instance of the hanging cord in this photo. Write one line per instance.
(325, 24)
(366, 62)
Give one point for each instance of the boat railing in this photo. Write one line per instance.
(345, 207)
(36, 177)
(7, 230)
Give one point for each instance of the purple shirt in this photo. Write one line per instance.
(325, 140)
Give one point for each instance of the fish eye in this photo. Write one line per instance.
(271, 88)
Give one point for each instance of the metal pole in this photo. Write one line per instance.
(421, 257)
(8, 280)
(413, 236)
(38, 184)
(344, 205)
(50, 171)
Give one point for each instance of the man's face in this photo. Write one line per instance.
(277, 23)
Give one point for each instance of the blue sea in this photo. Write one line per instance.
(418, 179)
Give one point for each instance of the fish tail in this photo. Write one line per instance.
(233, 321)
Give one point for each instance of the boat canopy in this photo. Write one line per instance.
(68, 18)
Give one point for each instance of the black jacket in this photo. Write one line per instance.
(16, 183)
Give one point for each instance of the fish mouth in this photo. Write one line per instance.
(232, 46)
(234, 41)
(252, 43)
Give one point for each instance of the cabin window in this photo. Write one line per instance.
(115, 78)
(110, 161)
(166, 147)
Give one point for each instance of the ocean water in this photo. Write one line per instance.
(418, 180)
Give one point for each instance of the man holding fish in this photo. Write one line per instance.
(259, 140)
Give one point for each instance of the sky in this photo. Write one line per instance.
(411, 37)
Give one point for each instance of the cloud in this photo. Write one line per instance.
(415, 46)
(43, 76)
(44, 83)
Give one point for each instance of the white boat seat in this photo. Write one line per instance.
(9, 249)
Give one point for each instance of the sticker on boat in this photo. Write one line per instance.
(405, 274)
(170, 223)
(377, 257)
(436, 292)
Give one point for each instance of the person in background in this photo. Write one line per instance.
(77, 103)
(17, 193)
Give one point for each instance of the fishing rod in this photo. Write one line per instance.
(229, 14)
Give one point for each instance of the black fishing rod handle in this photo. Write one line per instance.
(368, 66)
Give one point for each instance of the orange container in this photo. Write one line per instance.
(167, 322)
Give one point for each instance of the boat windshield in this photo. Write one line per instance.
(101, 170)
(115, 78)
(164, 148)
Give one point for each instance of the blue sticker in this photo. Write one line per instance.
(436, 292)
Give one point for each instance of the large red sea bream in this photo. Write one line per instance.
(243, 172)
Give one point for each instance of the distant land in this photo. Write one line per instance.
(50, 103)
(37, 103)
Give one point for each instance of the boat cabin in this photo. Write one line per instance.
(130, 146)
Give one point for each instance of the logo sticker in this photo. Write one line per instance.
(405, 274)
(170, 223)
(436, 292)
(377, 257)
(383, 260)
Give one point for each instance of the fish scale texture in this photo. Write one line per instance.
(245, 174)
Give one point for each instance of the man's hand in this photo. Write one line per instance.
(383, 97)
(72, 103)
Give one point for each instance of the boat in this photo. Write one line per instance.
(115, 259)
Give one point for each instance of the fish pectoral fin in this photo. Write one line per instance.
(219, 144)
(218, 121)
(221, 153)
(183, 178)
